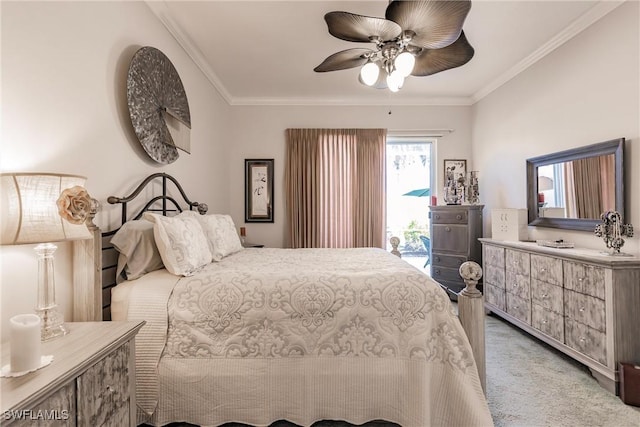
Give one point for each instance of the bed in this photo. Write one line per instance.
(265, 334)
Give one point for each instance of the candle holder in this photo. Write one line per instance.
(612, 230)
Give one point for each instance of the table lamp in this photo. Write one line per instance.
(43, 208)
(544, 184)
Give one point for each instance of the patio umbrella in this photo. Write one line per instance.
(421, 192)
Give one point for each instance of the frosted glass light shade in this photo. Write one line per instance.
(369, 73)
(28, 210)
(395, 80)
(404, 63)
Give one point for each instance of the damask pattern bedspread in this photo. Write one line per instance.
(309, 334)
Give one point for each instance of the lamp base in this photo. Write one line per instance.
(52, 323)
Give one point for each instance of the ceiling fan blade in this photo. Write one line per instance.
(436, 23)
(381, 83)
(357, 28)
(432, 61)
(343, 60)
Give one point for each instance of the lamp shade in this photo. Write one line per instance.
(29, 212)
(545, 183)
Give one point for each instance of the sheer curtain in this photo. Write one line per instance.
(334, 185)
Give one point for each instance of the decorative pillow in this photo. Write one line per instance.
(221, 234)
(138, 251)
(182, 244)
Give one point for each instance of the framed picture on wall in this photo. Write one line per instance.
(258, 192)
(454, 169)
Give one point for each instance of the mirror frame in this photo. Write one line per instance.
(614, 146)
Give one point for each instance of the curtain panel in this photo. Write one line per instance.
(335, 187)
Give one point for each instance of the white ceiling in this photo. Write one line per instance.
(263, 52)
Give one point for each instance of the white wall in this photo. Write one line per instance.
(64, 109)
(587, 91)
(259, 132)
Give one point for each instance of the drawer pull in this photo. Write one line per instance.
(581, 279)
(544, 296)
(581, 310)
(542, 270)
(583, 340)
(437, 272)
(437, 216)
(544, 322)
(447, 229)
(110, 389)
(515, 285)
(458, 216)
(438, 258)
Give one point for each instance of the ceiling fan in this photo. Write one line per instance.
(417, 38)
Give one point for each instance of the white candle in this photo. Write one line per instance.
(25, 342)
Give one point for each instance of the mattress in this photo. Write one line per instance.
(302, 335)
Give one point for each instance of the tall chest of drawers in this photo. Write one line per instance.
(581, 302)
(455, 230)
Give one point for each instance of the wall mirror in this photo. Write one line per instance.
(571, 189)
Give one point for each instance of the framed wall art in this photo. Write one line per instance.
(454, 169)
(258, 193)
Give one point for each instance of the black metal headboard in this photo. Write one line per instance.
(167, 205)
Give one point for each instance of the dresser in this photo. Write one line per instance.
(579, 301)
(91, 381)
(454, 230)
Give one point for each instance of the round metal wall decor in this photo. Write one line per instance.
(154, 90)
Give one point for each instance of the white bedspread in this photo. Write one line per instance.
(304, 335)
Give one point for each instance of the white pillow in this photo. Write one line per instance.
(182, 244)
(221, 234)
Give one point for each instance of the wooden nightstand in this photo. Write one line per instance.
(91, 381)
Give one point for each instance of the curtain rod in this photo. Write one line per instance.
(419, 132)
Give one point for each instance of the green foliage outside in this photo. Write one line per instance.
(412, 233)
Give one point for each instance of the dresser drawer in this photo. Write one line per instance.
(60, 409)
(584, 278)
(103, 391)
(450, 261)
(585, 309)
(495, 276)
(546, 269)
(547, 322)
(495, 296)
(547, 295)
(586, 340)
(450, 238)
(518, 285)
(493, 256)
(519, 308)
(449, 217)
(518, 262)
(445, 273)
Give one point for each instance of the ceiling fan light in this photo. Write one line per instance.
(395, 80)
(404, 63)
(369, 73)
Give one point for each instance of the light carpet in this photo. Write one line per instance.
(530, 383)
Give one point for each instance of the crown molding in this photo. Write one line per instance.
(583, 22)
(162, 12)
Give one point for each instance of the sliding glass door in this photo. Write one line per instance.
(409, 177)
